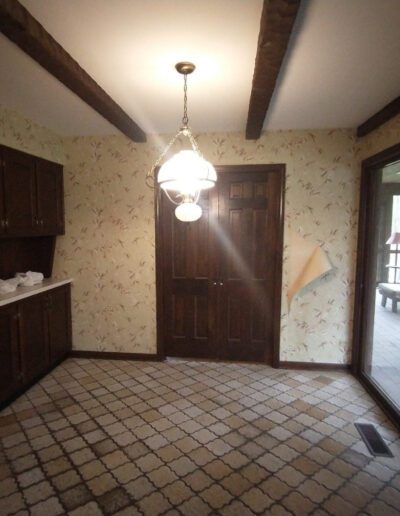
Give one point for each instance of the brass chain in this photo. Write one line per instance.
(185, 119)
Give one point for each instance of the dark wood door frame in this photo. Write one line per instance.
(279, 169)
(370, 166)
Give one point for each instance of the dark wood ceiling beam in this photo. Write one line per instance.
(277, 20)
(25, 31)
(384, 115)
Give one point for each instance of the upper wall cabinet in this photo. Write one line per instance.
(31, 195)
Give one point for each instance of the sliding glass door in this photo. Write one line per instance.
(377, 312)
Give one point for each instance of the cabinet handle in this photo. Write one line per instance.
(6, 222)
(41, 222)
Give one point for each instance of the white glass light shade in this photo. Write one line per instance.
(186, 172)
(188, 212)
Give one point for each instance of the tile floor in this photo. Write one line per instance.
(193, 438)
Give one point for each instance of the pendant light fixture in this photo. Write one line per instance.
(187, 173)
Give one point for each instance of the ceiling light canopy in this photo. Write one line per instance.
(187, 173)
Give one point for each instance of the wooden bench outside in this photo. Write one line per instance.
(391, 291)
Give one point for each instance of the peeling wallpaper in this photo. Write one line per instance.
(109, 244)
(20, 133)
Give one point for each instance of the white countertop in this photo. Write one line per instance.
(23, 292)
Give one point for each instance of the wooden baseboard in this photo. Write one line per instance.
(313, 366)
(113, 355)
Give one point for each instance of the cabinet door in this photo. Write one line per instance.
(33, 337)
(19, 193)
(2, 208)
(59, 322)
(49, 193)
(9, 361)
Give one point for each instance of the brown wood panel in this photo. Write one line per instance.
(33, 337)
(26, 254)
(9, 361)
(247, 223)
(188, 307)
(49, 197)
(2, 203)
(58, 321)
(19, 192)
(382, 116)
(276, 26)
(221, 275)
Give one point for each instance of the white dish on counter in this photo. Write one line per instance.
(23, 292)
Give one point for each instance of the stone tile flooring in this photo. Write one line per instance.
(193, 438)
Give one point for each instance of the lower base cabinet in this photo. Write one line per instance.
(35, 334)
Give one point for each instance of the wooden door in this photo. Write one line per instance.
(49, 194)
(250, 262)
(33, 337)
(19, 192)
(2, 207)
(9, 363)
(221, 276)
(189, 293)
(58, 318)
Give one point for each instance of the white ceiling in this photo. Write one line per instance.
(342, 65)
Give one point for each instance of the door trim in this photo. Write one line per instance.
(368, 167)
(279, 169)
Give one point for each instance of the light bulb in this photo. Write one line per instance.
(188, 212)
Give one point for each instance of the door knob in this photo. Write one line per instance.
(221, 283)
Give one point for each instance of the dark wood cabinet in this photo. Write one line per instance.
(9, 363)
(33, 338)
(59, 322)
(19, 193)
(35, 334)
(49, 198)
(31, 195)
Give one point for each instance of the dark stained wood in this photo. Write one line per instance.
(26, 254)
(25, 31)
(2, 200)
(190, 312)
(31, 195)
(248, 236)
(9, 362)
(277, 20)
(221, 275)
(313, 366)
(114, 355)
(384, 115)
(49, 197)
(33, 337)
(366, 272)
(58, 322)
(19, 192)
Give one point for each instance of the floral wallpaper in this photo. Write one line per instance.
(20, 133)
(109, 243)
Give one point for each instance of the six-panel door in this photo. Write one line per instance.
(221, 275)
